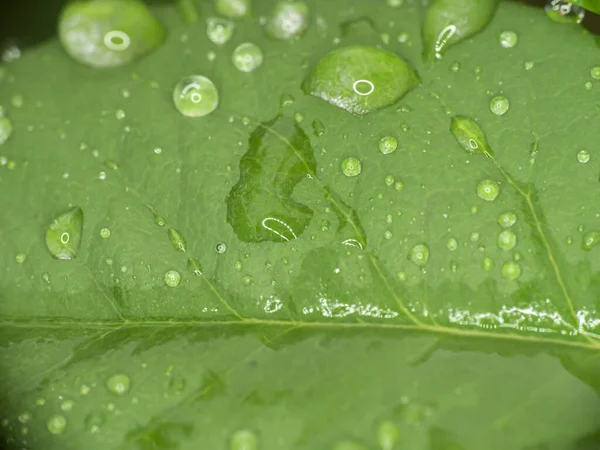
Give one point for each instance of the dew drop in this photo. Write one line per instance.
(499, 105)
(46, 277)
(454, 67)
(232, 8)
(247, 57)
(17, 101)
(507, 219)
(508, 39)
(588, 86)
(118, 384)
(528, 65)
(20, 258)
(67, 405)
(172, 278)
(24, 417)
(388, 234)
(219, 31)
(195, 96)
(120, 114)
(452, 244)
(475, 236)
(94, 421)
(244, 440)
(583, 156)
(238, 265)
(6, 129)
(590, 240)
(318, 128)
(389, 180)
(247, 280)
(64, 234)
(488, 190)
(194, 266)
(399, 185)
(507, 240)
(419, 255)
(298, 117)
(159, 220)
(511, 270)
(221, 247)
(286, 100)
(105, 233)
(387, 435)
(487, 264)
(177, 240)
(84, 389)
(388, 145)
(469, 135)
(595, 72)
(288, 20)
(351, 167)
(56, 424)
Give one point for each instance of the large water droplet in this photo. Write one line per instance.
(109, 33)
(583, 156)
(388, 145)
(172, 278)
(232, 8)
(177, 240)
(507, 220)
(387, 435)
(419, 255)
(288, 20)
(64, 234)
(470, 135)
(351, 167)
(6, 129)
(195, 96)
(511, 270)
(244, 440)
(488, 190)
(590, 240)
(507, 240)
(508, 39)
(499, 105)
(56, 424)
(118, 384)
(219, 31)
(247, 57)
(564, 11)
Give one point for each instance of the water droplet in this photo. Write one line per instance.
(507, 240)
(452, 244)
(219, 31)
(17, 101)
(511, 270)
(507, 220)
(244, 440)
(46, 277)
(488, 190)
(221, 247)
(389, 180)
(195, 96)
(298, 117)
(40, 402)
(177, 240)
(64, 234)
(588, 86)
(247, 57)
(158, 150)
(109, 33)
(419, 255)
(470, 135)
(94, 421)
(387, 234)
(20, 258)
(105, 233)
(528, 65)
(118, 384)
(246, 280)
(590, 240)
(595, 72)
(84, 389)
(351, 167)
(583, 156)
(109, 261)
(387, 435)
(508, 39)
(454, 67)
(563, 11)
(238, 265)
(388, 145)
(56, 424)
(318, 128)
(194, 266)
(399, 185)
(24, 417)
(403, 37)
(286, 100)
(172, 278)
(499, 105)
(487, 264)
(475, 236)
(288, 20)
(120, 114)
(6, 129)
(233, 8)
(67, 405)
(159, 220)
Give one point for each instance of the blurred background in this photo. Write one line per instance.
(28, 22)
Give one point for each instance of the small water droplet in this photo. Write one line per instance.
(112, 165)
(102, 176)
(172, 278)
(244, 440)
(105, 233)
(94, 421)
(84, 389)
(6, 129)
(511, 270)
(238, 265)
(46, 277)
(507, 219)
(507, 240)
(499, 105)
(318, 128)
(470, 135)
(64, 234)
(583, 156)
(194, 266)
(158, 150)
(528, 65)
(588, 86)
(247, 57)
(508, 39)
(109, 261)
(351, 167)
(403, 37)
(475, 236)
(20, 258)
(56, 424)
(388, 145)
(288, 20)
(387, 435)
(298, 117)
(419, 255)
(177, 240)
(487, 264)
(219, 31)
(590, 240)
(195, 96)
(120, 114)
(595, 72)
(452, 244)
(17, 101)
(233, 8)
(488, 190)
(286, 100)
(67, 405)
(221, 247)
(387, 234)
(24, 417)
(399, 185)
(246, 280)
(389, 180)
(455, 67)
(118, 384)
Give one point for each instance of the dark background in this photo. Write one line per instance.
(28, 22)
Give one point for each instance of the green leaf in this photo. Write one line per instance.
(591, 5)
(446, 297)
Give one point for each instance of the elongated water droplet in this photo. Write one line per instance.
(351, 167)
(64, 234)
(488, 190)
(563, 11)
(46, 277)
(56, 424)
(387, 435)
(511, 270)
(6, 129)
(508, 39)
(247, 57)
(195, 96)
(219, 31)
(360, 79)
(507, 220)
(590, 240)
(159, 220)
(419, 255)
(194, 266)
(172, 278)
(109, 33)
(583, 156)
(177, 240)
(470, 136)
(318, 128)
(233, 8)
(118, 384)
(388, 144)
(450, 21)
(499, 105)
(244, 440)
(288, 20)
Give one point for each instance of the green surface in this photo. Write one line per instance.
(423, 339)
